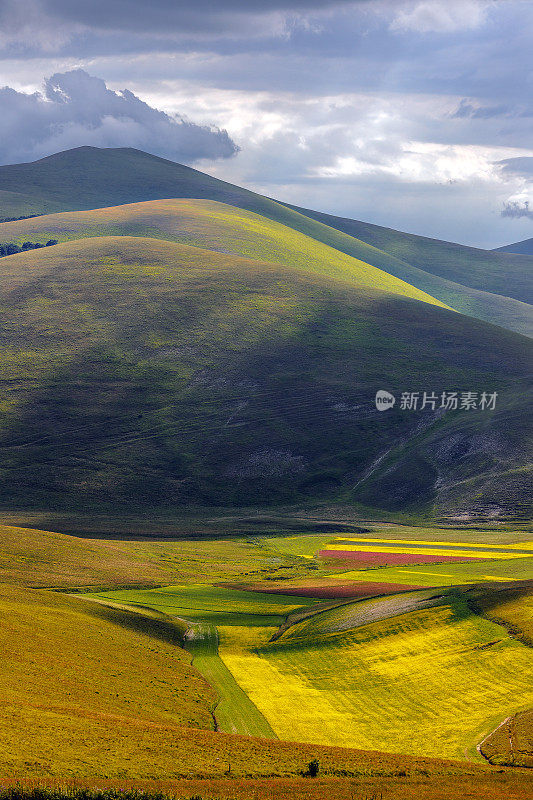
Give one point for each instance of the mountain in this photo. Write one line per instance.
(201, 345)
(89, 178)
(525, 248)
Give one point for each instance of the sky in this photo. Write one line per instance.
(413, 114)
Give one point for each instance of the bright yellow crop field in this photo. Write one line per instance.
(99, 694)
(430, 682)
(449, 574)
(428, 551)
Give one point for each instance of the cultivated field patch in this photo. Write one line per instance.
(449, 574)
(429, 681)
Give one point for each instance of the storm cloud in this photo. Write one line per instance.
(76, 109)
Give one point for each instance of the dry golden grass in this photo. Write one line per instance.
(30, 557)
(511, 744)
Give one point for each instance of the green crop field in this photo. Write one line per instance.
(206, 609)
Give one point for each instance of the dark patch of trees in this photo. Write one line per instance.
(16, 219)
(9, 249)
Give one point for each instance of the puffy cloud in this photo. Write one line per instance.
(78, 109)
(440, 16)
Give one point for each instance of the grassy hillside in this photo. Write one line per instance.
(37, 558)
(87, 178)
(489, 270)
(141, 373)
(293, 240)
(214, 226)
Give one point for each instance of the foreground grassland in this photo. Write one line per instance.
(104, 696)
(425, 786)
(127, 687)
(431, 682)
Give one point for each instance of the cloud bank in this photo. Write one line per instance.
(77, 109)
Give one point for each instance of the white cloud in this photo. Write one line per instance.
(440, 16)
(424, 162)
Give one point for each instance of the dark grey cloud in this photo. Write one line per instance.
(517, 209)
(168, 19)
(468, 109)
(202, 15)
(78, 109)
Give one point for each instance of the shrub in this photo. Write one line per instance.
(312, 768)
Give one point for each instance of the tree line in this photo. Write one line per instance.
(9, 248)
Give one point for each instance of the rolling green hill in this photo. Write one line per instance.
(479, 283)
(140, 374)
(229, 229)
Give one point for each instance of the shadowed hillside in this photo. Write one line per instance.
(486, 270)
(145, 374)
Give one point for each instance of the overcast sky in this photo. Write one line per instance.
(415, 114)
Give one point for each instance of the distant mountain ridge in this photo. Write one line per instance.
(524, 248)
